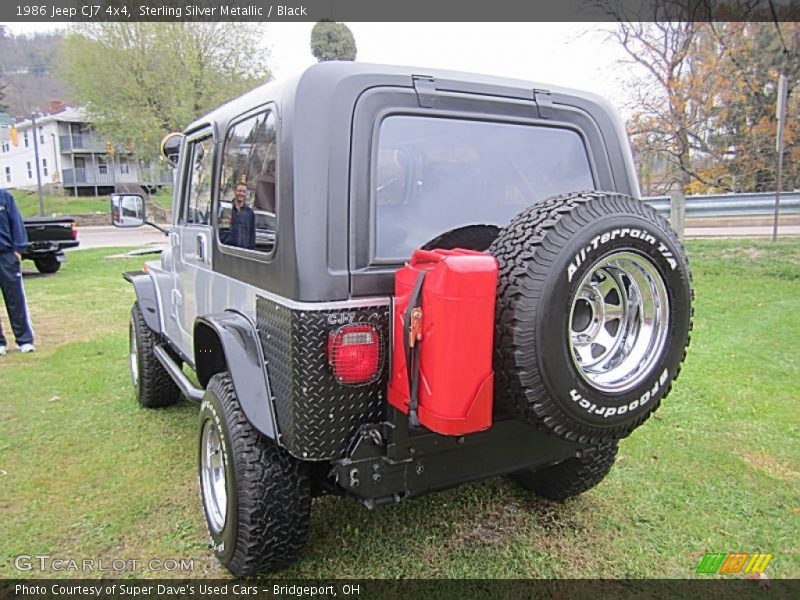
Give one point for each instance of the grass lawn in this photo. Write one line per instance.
(56, 205)
(85, 473)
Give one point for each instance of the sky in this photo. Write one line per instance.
(572, 55)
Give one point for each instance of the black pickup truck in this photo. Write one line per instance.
(48, 237)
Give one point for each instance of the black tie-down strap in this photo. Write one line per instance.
(412, 325)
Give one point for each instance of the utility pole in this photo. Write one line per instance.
(780, 113)
(56, 170)
(36, 157)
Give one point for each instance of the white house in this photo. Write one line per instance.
(71, 156)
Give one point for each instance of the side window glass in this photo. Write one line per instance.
(198, 192)
(248, 199)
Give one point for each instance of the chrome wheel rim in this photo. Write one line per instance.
(133, 356)
(618, 322)
(212, 476)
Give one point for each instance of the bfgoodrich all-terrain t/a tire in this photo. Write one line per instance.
(153, 386)
(593, 314)
(256, 497)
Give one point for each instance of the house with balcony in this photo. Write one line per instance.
(72, 157)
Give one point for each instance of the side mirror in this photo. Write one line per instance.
(171, 147)
(127, 210)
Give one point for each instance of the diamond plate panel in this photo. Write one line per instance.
(317, 416)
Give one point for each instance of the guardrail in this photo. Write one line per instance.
(730, 205)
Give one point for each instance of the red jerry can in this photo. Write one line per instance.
(452, 336)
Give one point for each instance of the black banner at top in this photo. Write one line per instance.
(66, 11)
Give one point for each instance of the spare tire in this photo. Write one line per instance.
(593, 314)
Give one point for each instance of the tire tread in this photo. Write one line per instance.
(273, 490)
(571, 477)
(156, 387)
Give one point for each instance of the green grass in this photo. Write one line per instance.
(57, 205)
(88, 474)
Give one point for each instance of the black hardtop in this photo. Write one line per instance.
(319, 83)
(324, 139)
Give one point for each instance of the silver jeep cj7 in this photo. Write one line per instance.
(451, 279)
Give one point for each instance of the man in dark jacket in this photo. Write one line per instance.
(243, 222)
(13, 240)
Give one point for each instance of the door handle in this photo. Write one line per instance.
(201, 247)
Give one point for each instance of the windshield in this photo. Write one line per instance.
(438, 174)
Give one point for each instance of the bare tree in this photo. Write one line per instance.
(670, 102)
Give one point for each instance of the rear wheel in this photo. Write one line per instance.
(153, 386)
(569, 478)
(47, 264)
(256, 496)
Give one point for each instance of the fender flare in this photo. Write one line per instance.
(146, 295)
(228, 342)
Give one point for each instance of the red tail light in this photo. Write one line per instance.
(74, 230)
(354, 353)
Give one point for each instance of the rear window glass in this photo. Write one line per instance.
(435, 174)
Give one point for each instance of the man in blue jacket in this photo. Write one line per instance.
(242, 232)
(13, 240)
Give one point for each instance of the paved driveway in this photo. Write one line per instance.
(758, 231)
(108, 235)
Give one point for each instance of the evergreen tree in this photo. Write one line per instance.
(332, 41)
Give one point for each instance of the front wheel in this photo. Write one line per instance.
(256, 496)
(152, 384)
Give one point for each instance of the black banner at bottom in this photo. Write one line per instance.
(261, 589)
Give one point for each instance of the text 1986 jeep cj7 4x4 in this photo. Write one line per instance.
(435, 292)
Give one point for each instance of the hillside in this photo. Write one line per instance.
(28, 71)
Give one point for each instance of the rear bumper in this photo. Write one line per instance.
(389, 461)
(37, 249)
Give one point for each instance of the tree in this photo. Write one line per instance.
(741, 138)
(140, 81)
(27, 65)
(332, 41)
(669, 102)
(703, 112)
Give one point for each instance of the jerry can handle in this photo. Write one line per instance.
(412, 323)
(421, 257)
